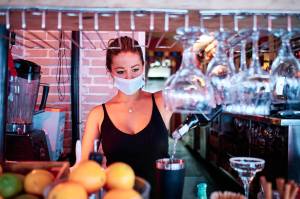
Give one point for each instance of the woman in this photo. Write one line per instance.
(132, 126)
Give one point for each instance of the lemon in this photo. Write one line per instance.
(37, 180)
(10, 185)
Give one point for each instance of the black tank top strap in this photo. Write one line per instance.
(154, 103)
(105, 119)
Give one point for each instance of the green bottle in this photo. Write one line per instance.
(201, 191)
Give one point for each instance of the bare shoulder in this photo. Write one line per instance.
(161, 106)
(96, 114)
(159, 98)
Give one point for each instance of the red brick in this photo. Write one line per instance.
(57, 34)
(67, 53)
(44, 61)
(101, 61)
(99, 89)
(36, 53)
(45, 71)
(40, 34)
(68, 125)
(92, 98)
(50, 37)
(54, 89)
(86, 80)
(65, 71)
(92, 35)
(93, 53)
(97, 71)
(85, 62)
(67, 140)
(48, 79)
(53, 43)
(100, 80)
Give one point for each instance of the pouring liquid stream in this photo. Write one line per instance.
(173, 152)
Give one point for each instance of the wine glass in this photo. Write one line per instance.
(285, 72)
(247, 167)
(220, 71)
(256, 88)
(188, 90)
(240, 76)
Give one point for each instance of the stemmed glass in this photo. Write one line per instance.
(220, 71)
(257, 87)
(240, 76)
(188, 90)
(247, 167)
(285, 72)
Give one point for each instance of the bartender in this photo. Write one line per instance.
(133, 125)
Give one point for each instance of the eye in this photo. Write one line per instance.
(120, 72)
(135, 70)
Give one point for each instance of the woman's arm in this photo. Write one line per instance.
(92, 131)
(166, 115)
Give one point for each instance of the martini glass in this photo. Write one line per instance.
(247, 167)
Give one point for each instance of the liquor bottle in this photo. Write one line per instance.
(201, 191)
(194, 120)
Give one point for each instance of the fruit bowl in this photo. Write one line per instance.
(141, 186)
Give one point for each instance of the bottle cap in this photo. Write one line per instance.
(201, 189)
(202, 185)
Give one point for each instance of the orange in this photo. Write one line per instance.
(122, 194)
(120, 175)
(68, 190)
(89, 174)
(37, 180)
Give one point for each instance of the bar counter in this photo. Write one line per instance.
(274, 139)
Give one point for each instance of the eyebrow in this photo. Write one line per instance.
(121, 67)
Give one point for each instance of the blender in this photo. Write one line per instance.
(22, 141)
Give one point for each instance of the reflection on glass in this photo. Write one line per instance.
(286, 73)
(220, 71)
(188, 90)
(236, 89)
(256, 88)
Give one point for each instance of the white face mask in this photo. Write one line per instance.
(129, 86)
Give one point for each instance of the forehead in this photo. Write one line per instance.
(126, 59)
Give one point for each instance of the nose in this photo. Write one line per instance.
(128, 75)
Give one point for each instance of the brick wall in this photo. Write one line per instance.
(95, 83)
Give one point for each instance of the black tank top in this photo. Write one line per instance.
(140, 150)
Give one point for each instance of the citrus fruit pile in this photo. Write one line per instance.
(30, 186)
(89, 177)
